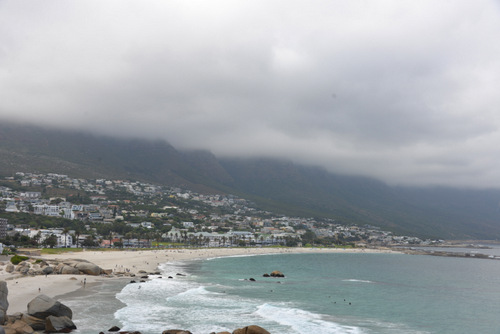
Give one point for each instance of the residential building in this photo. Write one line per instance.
(3, 227)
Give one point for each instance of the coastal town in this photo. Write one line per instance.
(54, 210)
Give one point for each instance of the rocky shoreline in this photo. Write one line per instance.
(38, 267)
(48, 315)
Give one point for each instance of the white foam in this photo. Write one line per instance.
(357, 280)
(300, 321)
(179, 303)
(241, 255)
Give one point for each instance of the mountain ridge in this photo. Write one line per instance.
(275, 185)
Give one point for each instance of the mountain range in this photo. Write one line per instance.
(275, 185)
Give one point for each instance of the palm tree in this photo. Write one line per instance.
(77, 235)
(128, 236)
(110, 238)
(65, 232)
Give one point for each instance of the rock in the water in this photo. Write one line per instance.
(277, 273)
(114, 329)
(10, 268)
(176, 331)
(89, 268)
(251, 330)
(59, 324)
(42, 306)
(265, 275)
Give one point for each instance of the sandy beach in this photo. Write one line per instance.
(23, 289)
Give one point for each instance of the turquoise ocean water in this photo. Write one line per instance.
(321, 293)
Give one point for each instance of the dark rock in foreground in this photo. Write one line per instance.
(44, 314)
(176, 331)
(42, 306)
(59, 324)
(251, 330)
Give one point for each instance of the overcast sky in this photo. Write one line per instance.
(404, 91)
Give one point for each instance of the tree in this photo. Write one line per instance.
(89, 242)
(37, 237)
(128, 236)
(77, 236)
(110, 238)
(65, 232)
(50, 241)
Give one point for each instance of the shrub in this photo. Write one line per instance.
(16, 259)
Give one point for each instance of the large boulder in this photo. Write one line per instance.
(35, 323)
(89, 268)
(68, 270)
(4, 291)
(58, 324)
(24, 270)
(10, 268)
(42, 306)
(20, 266)
(18, 327)
(251, 330)
(4, 303)
(47, 270)
(3, 317)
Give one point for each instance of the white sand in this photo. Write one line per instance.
(24, 289)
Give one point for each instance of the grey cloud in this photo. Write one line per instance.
(397, 90)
